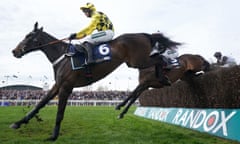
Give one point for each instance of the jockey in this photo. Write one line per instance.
(224, 61)
(169, 55)
(169, 58)
(99, 30)
(218, 56)
(228, 61)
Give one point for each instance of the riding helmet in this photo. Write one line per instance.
(89, 6)
(218, 54)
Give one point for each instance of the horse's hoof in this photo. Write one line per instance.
(14, 126)
(51, 139)
(120, 116)
(117, 108)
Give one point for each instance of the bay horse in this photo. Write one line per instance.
(190, 66)
(132, 49)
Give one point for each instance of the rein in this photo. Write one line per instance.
(50, 43)
(61, 57)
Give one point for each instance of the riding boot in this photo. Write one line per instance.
(88, 46)
(163, 79)
(172, 64)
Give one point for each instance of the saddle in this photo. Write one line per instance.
(100, 53)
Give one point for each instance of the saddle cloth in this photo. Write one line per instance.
(100, 54)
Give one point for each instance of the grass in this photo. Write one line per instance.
(97, 125)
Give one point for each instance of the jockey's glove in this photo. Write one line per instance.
(72, 36)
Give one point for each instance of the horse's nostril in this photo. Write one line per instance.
(14, 52)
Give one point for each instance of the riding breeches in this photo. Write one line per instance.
(99, 37)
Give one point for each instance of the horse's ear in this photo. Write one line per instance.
(41, 29)
(36, 26)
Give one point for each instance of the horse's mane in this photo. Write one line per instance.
(48, 36)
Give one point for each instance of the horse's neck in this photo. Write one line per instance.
(53, 51)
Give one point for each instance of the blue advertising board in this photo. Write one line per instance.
(4, 103)
(224, 123)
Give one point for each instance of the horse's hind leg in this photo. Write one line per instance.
(62, 102)
(34, 111)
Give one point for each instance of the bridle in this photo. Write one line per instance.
(50, 43)
(44, 45)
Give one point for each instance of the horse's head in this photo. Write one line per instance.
(29, 43)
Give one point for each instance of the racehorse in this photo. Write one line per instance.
(132, 49)
(190, 66)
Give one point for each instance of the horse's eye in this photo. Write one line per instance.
(30, 34)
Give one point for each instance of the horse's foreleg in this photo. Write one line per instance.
(122, 104)
(62, 102)
(34, 111)
(135, 94)
(118, 107)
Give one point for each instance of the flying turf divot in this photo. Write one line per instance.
(224, 123)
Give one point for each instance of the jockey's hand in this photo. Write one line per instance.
(72, 36)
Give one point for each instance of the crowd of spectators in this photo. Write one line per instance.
(99, 95)
(76, 95)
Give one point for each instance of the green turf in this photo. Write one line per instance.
(96, 125)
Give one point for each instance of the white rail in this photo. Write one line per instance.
(70, 102)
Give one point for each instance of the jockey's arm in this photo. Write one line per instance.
(88, 30)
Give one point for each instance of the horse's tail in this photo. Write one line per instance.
(165, 41)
